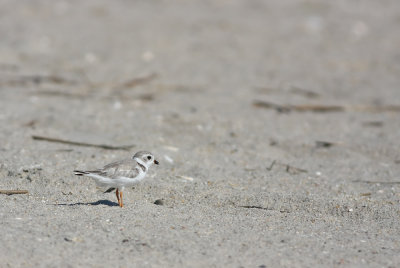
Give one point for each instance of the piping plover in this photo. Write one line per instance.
(123, 173)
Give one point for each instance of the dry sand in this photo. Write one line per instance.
(228, 96)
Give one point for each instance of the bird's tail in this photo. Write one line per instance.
(109, 190)
(80, 173)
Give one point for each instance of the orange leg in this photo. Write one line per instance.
(122, 204)
(117, 194)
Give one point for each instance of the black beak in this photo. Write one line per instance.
(156, 162)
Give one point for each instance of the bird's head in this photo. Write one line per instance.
(146, 157)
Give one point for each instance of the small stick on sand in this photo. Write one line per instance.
(298, 108)
(271, 166)
(10, 192)
(317, 108)
(294, 170)
(36, 79)
(378, 182)
(289, 169)
(103, 146)
(137, 81)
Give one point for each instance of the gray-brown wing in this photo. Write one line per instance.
(123, 168)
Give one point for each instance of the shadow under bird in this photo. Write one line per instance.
(121, 174)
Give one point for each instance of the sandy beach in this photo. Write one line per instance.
(276, 124)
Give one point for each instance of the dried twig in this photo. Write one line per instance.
(10, 192)
(36, 79)
(55, 93)
(298, 108)
(378, 182)
(263, 208)
(271, 166)
(289, 169)
(103, 146)
(137, 81)
(256, 207)
(323, 144)
(317, 108)
(294, 170)
(270, 105)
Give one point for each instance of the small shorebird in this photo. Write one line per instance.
(123, 173)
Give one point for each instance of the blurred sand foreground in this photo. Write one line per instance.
(276, 124)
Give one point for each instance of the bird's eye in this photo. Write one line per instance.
(149, 157)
